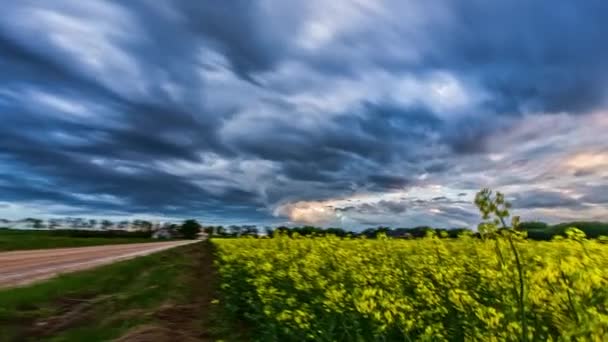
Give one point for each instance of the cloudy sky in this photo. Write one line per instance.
(353, 113)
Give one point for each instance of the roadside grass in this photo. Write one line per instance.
(12, 240)
(163, 294)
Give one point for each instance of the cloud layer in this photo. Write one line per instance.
(351, 113)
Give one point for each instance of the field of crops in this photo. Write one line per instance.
(431, 289)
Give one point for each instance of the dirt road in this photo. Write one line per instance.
(24, 267)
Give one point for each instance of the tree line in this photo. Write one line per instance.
(82, 227)
(535, 230)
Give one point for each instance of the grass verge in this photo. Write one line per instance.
(160, 297)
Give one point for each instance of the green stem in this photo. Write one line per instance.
(570, 300)
(520, 274)
(521, 290)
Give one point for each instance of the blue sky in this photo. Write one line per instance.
(352, 113)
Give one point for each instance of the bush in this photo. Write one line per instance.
(190, 229)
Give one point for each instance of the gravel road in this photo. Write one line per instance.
(25, 267)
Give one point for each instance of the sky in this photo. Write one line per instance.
(351, 113)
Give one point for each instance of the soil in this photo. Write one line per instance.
(72, 313)
(191, 322)
(195, 321)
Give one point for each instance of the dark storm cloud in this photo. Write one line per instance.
(388, 181)
(383, 207)
(544, 199)
(229, 109)
(530, 56)
(252, 36)
(376, 132)
(394, 206)
(331, 153)
(596, 195)
(526, 56)
(551, 60)
(470, 135)
(459, 214)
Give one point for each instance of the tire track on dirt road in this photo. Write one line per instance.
(24, 267)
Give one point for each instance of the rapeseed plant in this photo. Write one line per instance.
(501, 287)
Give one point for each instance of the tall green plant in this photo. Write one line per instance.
(494, 210)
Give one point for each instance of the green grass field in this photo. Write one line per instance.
(153, 296)
(11, 240)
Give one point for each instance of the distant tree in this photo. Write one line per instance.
(38, 224)
(190, 229)
(236, 230)
(123, 225)
(78, 222)
(173, 228)
(250, 230)
(54, 223)
(106, 224)
(533, 225)
(220, 230)
(142, 225)
(590, 228)
(537, 230)
(374, 232)
(269, 231)
(284, 230)
(146, 226)
(456, 232)
(336, 231)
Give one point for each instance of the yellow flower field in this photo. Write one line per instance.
(431, 289)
